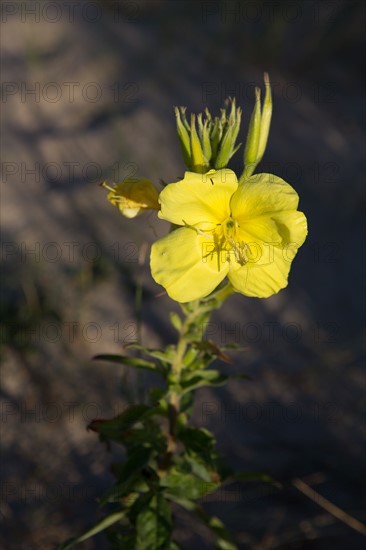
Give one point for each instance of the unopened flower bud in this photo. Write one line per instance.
(258, 130)
(133, 196)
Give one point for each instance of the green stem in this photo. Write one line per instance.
(194, 313)
(176, 370)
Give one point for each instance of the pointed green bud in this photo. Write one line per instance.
(223, 116)
(183, 138)
(216, 134)
(200, 126)
(265, 119)
(236, 128)
(208, 115)
(223, 156)
(184, 119)
(251, 147)
(206, 143)
(198, 160)
(229, 129)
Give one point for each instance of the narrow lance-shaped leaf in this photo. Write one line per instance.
(115, 427)
(100, 526)
(166, 356)
(207, 377)
(129, 361)
(223, 538)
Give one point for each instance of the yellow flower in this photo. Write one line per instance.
(133, 196)
(249, 232)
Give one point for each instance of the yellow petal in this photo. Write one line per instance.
(262, 194)
(292, 226)
(281, 229)
(180, 263)
(199, 199)
(268, 266)
(130, 212)
(261, 281)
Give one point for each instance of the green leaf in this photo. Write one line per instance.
(97, 528)
(175, 320)
(201, 378)
(129, 475)
(211, 349)
(154, 526)
(115, 427)
(140, 503)
(199, 441)
(166, 356)
(223, 539)
(137, 460)
(129, 361)
(149, 435)
(187, 402)
(197, 379)
(184, 485)
(190, 356)
(204, 471)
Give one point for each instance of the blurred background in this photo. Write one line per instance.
(87, 95)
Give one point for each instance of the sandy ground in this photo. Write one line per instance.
(88, 95)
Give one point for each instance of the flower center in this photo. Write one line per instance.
(229, 246)
(229, 228)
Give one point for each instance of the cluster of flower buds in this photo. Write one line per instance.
(208, 143)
